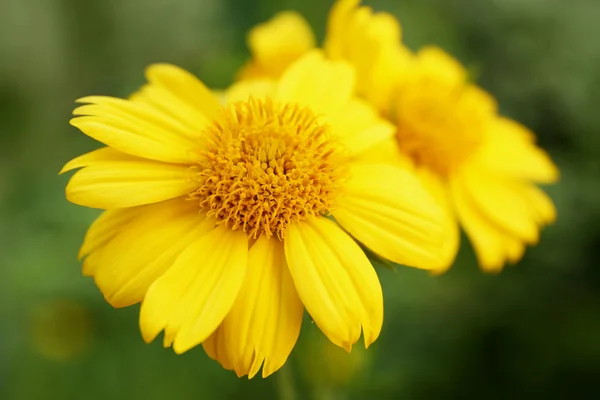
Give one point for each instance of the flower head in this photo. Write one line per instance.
(225, 221)
(481, 167)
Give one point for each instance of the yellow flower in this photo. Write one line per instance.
(217, 217)
(481, 167)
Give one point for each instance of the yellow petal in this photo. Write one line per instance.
(503, 205)
(115, 184)
(90, 263)
(94, 157)
(106, 227)
(540, 205)
(443, 65)
(216, 348)
(188, 90)
(135, 129)
(324, 86)
(337, 25)
(145, 248)
(514, 249)
(386, 152)
(389, 211)
(140, 110)
(510, 150)
(492, 246)
(264, 323)
(359, 126)
(379, 86)
(243, 90)
(370, 42)
(335, 281)
(193, 297)
(450, 245)
(277, 43)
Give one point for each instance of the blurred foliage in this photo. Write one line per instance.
(533, 330)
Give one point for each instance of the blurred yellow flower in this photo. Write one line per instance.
(217, 216)
(481, 167)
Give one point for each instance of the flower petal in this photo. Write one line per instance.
(145, 248)
(541, 206)
(185, 85)
(386, 152)
(95, 157)
(136, 129)
(451, 243)
(106, 227)
(447, 68)
(90, 263)
(359, 126)
(335, 281)
(492, 246)
(264, 322)
(324, 86)
(389, 211)
(503, 205)
(180, 94)
(370, 42)
(340, 15)
(115, 184)
(510, 149)
(193, 297)
(216, 348)
(243, 90)
(276, 44)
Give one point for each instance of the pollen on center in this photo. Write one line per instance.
(266, 165)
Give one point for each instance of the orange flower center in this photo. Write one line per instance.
(267, 165)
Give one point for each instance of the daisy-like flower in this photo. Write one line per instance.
(219, 218)
(481, 167)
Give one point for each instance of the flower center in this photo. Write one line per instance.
(266, 165)
(440, 126)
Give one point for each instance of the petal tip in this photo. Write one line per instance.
(180, 346)
(148, 328)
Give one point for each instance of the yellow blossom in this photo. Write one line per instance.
(481, 167)
(219, 218)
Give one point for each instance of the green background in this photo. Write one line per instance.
(532, 331)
